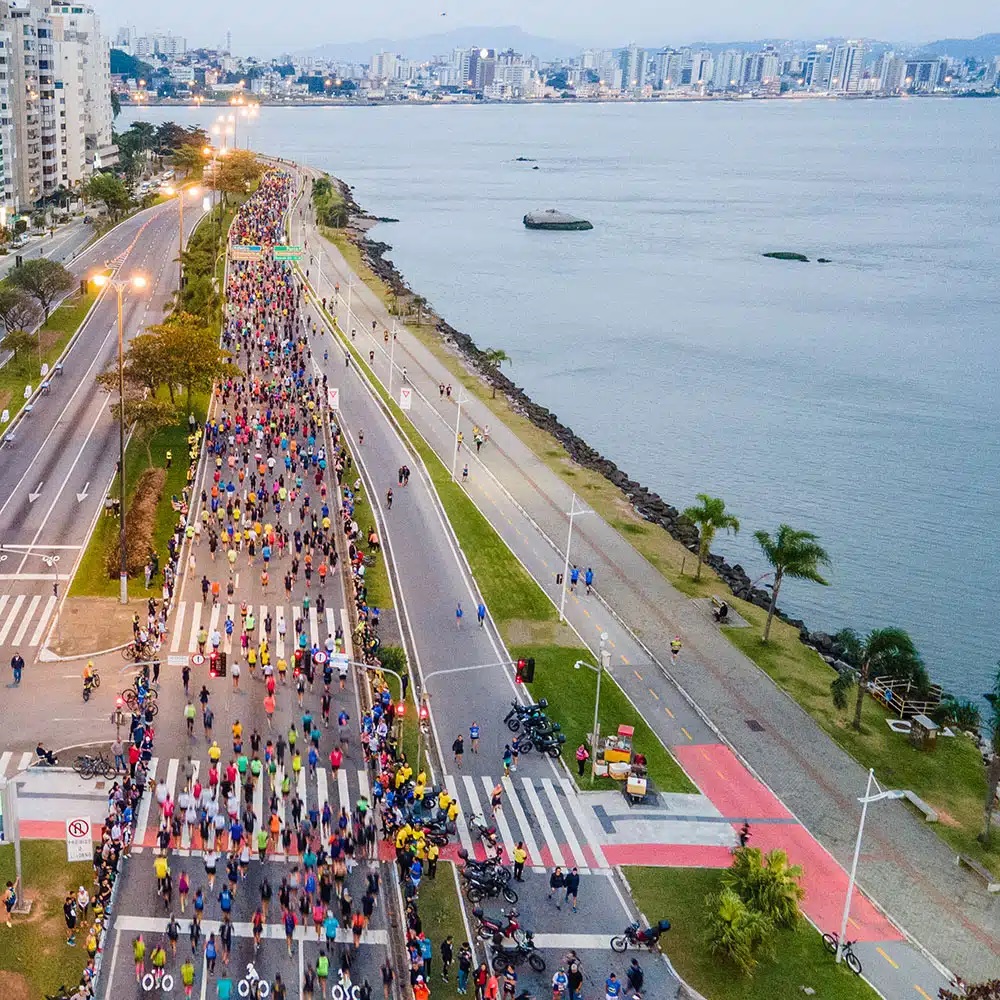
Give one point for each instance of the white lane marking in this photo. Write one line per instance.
(50, 606)
(26, 620)
(322, 792)
(5, 761)
(196, 612)
(543, 822)
(348, 642)
(331, 628)
(574, 845)
(463, 827)
(343, 791)
(175, 639)
(25, 762)
(534, 857)
(586, 818)
(500, 819)
(143, 818)
(11, 618)
(313, 627)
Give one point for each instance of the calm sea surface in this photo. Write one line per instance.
(859, 399)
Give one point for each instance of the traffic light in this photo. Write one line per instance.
(400, 709)
(425, 712)
(525, 671)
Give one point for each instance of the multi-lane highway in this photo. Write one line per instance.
(55, 473)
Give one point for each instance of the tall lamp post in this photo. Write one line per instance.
(605, 665)
(180, 192)
(573, 512)
(120, 285)
(881, 794)
(462, 398)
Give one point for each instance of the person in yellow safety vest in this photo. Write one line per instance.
(402, 836)
(420, 850)
(452, 811)
(170, 458)
(88, 671)
(403, 775)
(443, 799)
(160, 868)
(419, 788)
(432, 859)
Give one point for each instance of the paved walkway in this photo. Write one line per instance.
(906, 867)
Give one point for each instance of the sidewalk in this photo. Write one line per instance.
(905, 866)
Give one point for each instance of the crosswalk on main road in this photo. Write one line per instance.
(24, 618)
(192, 616)
(541, 812)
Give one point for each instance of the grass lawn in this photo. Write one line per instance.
(35, 958)
(951, 778)
(570, 693)
(440, 915)
(54, 337)
(801, 959)
(91, 578)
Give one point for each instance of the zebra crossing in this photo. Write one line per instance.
(192, 616)
(25, 618)
(541, 812)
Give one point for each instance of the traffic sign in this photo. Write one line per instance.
(287, 252)
(176, 660)
(405, 398)
(197, 659)
(320, 658)
(246, 251)
(79, 840)
(333, 398)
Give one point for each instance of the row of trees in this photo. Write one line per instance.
(760, 895)
(26, 298)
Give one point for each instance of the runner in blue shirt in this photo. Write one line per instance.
(474, 737)
(612, 987)
(574, 578)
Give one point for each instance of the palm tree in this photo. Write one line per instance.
(421, 303)
(767, 883)
(791, 553)
(495, 357)
(884, 651)
(735, 930)
(709, 516)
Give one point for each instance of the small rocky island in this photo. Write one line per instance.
(553, 220)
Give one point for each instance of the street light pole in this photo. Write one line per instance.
(573, 512)
(392, 362)
(458, 420)
(868, 797)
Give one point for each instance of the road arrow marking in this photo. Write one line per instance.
(32, 497)
(80, 497)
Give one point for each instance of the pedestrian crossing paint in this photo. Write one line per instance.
(11, 619)
(43, 621)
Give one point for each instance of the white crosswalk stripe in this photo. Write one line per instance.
(175, 639)
(24, 618)
(8, 623)
(43, 621)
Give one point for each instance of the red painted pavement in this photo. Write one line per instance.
(736, 793)
(668, 855)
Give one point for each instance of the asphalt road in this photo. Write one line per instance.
(55, 474)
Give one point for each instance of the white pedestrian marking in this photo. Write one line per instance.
(313, 627)
(300, 785)
(363, 786)
(227, 640)
(346, 625)
(25, 762)
(574, 845)
(331, 626)
(213, 621)
(175, 639)
(172, 777)
(9, 624)
(500, 820)
(50, 606)
(534, 858)
(26, 620)
(196, 612)
(272, 931)
(462, 821)
(3, 602)
(322, 791)
(279, 612)
(343, 792)
(5, 760)
(543, 822)
(143, 818)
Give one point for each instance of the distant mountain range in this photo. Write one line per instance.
(425, 46)
(548, 49)
(983, 47)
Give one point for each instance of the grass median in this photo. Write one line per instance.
(801, 961)
(440, 910)
(35, 958)
(54, 335)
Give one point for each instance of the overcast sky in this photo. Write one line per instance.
(270, 27)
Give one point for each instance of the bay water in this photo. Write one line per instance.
(858, 399)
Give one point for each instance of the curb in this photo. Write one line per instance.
(46, 655)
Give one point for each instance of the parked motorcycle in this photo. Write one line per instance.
(487, 928)
(490, 865)
(635, 937)
(518, 714)
(551, 744)
(479, 887)
(524, 949)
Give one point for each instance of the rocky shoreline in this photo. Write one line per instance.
(647, 504)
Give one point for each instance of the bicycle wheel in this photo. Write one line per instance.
(852, 962)
(152, 707)
(96, 679)
(128, 652)
(102, 767)
(830, 940)
(129, 699)
(84, 766)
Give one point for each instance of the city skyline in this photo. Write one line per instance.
(644, 22)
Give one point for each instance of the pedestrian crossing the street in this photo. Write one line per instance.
(538, 811)
(25, 619)
(193, 616)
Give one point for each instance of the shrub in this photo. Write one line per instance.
(140, 523)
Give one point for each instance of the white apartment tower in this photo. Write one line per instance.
(848, 62)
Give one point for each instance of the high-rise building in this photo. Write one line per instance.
(845, 71)
(382, 66)
(631, 67)
(819, 62)
(728, 71)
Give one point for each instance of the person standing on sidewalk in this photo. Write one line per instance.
(582, 756)
(572, 883)
(17, 665)
(458, 748)
(557, 881)
(520, 856)
(474, 737)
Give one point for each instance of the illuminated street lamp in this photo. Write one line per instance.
(137, 281)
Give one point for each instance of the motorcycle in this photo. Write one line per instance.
(524, 949)
(518, 713)
(479, 830)
(635, 937)
(551, 744)
(490, 866)
(479, 887)
(487, 929)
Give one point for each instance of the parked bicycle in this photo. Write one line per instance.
(93, 766)
(853, 963)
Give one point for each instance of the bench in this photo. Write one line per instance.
(720, 608)
(992, 885)
(929, 814)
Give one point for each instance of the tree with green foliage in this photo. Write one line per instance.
(192, 354)
(187, 158)
(20, 343)
(116, 105)
(887, 652)
(144, 366)
(111, 190)
(767, 883)
(495, 357)
(420, 303)
(735, 931)
(993, 771)
(709, 515)
(146, 415)
(17, 309)
(238, 169)
(44, 280)
(792, 553)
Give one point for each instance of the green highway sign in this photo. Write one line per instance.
(287, 252)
